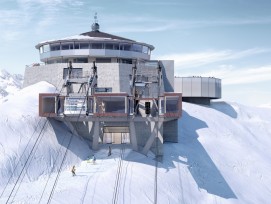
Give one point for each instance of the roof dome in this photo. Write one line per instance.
(95, 27)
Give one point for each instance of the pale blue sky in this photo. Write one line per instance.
(228, 39)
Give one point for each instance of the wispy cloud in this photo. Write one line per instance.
(159, 3)
(231, 75)
(191, 64)
(34, 15)
(247, 75)
(189, 24)
(147, 23)
(140, 28)
(186, 60)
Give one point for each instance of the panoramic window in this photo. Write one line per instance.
(84, 45)
(145, 50)
(67, 46)
(116, 47)
(137, 48)
(55, 47)
(111, 104)
(76, 45)
(109, 46)
(125, 47)
(97, 46)
(46, 48)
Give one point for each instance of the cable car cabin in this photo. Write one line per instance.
(75, 105)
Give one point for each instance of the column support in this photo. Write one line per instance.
(95, 140)
(133, 135)
(151, 138)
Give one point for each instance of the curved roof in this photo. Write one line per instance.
(95, 35)
(98, 34)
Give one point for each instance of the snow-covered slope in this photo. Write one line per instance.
(9, 84)
(223, 156)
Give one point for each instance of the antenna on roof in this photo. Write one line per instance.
(95, 26)
(95, 18)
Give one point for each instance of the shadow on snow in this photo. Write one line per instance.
(188, 151)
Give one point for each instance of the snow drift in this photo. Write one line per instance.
(223, 156)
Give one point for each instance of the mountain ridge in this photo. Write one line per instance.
(9, 83)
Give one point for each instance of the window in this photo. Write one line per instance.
(125, 47)
(55, 47)
(67, 46)
(46, 48)
(116, 47)
(80, 60)
(76, 73)
(111, 104)
(84, 45)
(137, 48)
(97, 46)
(112, 46)
(109, 46)
(103, 90)
(41, 49)
(75, 105)
(145, 50)
(172, 104)
(76, 46)
(126, 61)
(103, 60)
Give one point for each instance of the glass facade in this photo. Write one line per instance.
(75, 105)
(111, 104)
(67, 46)
(84, 45)
(55, 47)
(46, 48)
(172, 103)
(80, 60)
(137, 48)
(99, 45)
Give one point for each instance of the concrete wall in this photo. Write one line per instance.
(170, 131)
(52, 73)
(84, 129)
(113, 75)
(143, 133)
(168, 75)
(108, 76)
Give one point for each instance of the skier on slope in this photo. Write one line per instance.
(109, 151)
(94, 159)
(73, 171)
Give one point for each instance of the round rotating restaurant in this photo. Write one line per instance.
(93, 46)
